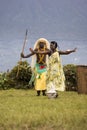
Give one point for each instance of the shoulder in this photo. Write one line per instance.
(36, 49)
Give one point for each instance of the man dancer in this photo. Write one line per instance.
(39, 63)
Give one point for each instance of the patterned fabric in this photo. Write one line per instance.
(40, 81)
(40, 68)
(55, 78)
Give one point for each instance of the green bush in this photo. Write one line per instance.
(71, 77)
(21, 74)
(18, 77)
(5, 81)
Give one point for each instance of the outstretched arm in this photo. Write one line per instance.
(27, 56)
(67, 51)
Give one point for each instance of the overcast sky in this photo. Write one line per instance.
(58, 19)
(64, 21)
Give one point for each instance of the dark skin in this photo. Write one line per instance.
(52, 50)
(41, 57)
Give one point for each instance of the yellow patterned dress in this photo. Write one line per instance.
(55, 79)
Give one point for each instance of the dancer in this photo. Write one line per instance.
(39, 63)
(55, 79)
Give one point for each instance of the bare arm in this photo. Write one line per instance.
(67, 51)
(27, 56)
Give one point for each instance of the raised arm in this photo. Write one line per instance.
(67, 51)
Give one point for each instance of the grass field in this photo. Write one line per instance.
(23, 110)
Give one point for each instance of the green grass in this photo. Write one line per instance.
(23, 110)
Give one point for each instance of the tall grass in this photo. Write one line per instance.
(23, 110)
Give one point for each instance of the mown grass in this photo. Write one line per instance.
(23, 110)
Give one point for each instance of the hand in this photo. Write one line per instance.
(22, 55)
(31, 50)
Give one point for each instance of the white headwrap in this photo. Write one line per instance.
(36, 46)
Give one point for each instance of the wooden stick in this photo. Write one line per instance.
(25, 40)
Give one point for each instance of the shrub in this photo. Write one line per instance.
(21, 74)
(71, 77)
(5, 81)
(18, 77)
(2, 80)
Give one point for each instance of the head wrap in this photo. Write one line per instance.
(43, 40)
(36, 45)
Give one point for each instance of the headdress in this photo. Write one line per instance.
(43, 40)
(36, 45)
